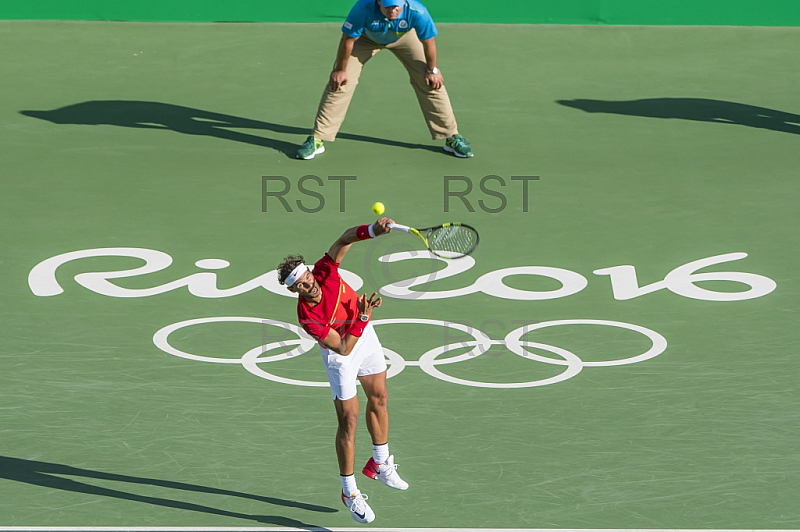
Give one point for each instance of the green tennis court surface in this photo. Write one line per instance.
(529, 389)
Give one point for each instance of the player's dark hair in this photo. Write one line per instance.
(287, 266)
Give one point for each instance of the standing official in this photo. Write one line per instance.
(406, 29)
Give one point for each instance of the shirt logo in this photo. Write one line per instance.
(348, 25)
(403, 24)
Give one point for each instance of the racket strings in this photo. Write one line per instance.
(453, 241)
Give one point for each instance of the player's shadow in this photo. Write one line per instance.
(155, 115)
(698, 109)
(49, 475)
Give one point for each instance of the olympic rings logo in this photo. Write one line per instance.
(430, 361)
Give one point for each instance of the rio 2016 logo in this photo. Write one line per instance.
(624, 284)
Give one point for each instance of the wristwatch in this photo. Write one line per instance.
(433, 71)
(363, 317)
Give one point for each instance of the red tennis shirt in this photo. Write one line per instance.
(338, 307)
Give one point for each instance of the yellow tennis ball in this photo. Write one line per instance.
(378, 208)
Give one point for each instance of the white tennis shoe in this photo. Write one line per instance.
(386, 473)
(359, 509)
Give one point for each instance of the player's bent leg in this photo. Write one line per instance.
(374, 387)
(347, 417)
(342, 379)
(378, 425)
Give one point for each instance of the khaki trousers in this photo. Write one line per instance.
(435, 104)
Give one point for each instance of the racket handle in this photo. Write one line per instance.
(404, 228)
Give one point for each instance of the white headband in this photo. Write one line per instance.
(295, 275)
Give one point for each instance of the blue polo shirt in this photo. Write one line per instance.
(366, 18)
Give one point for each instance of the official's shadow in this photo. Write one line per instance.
(155, 115)
(48, 475)
(698, 109)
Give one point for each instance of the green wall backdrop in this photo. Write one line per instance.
(653, 12)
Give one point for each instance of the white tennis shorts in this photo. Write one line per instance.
(366, 358)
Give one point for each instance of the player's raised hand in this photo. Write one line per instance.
(382, 226)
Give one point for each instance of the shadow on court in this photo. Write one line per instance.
(154, 115)
(697, 109)
(49, 475)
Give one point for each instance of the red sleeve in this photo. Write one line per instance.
(317, 330)
(325, 268)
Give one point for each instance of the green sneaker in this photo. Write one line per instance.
(310, 148)
(458, 146)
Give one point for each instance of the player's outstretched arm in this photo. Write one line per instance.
(354, 234)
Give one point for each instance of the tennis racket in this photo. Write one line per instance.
(449, 241)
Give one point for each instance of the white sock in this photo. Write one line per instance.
(349, 484)
(380, 453)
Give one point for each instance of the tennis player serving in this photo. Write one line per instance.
(330, 311)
